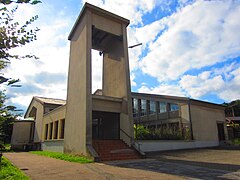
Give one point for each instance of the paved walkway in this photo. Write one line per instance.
(44, 168)
(188, 164)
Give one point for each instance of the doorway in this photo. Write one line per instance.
(221, 134)
(105, 125)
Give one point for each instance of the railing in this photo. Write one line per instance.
(133, 142)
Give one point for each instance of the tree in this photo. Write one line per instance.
(12, 35)
(232, 108)
(8, 114)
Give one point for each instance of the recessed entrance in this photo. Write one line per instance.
(221, 134)
(105, 125)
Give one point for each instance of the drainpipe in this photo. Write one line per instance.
(190, 118)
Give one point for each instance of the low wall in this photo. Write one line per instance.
(161, 145)
(53, 145)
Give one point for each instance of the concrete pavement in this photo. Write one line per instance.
(187, 164)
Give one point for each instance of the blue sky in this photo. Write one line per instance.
(190, 48)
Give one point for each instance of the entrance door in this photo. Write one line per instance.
(105, 125)
(221, 135)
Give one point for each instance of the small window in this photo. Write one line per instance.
(50, 130)
(152, 107)
(162, 107)
(55, 129)
(46, 131)
(135, 107)
(62, 125)
(143, 107)
(174, 107)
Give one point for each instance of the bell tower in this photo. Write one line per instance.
(96, 29)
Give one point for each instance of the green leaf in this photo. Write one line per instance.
(34, 2)
(3, 79)
(13, 81)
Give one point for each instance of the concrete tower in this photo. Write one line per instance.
(88, 116)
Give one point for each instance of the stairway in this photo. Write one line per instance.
(110, 150)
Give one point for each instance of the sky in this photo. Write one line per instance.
(189, 48)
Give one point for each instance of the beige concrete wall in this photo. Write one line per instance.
(204, 122)
(21, 133)
(106, 24)
(55, 145)
(165, 145)
(184, 113)
(106, 104)
(114, 80)
(57, 114)
(38, 120)
(79, 98)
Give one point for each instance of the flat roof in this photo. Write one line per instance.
(96, 10)
(160, 96)
(177, 98)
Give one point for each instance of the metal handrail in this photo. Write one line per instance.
(132, 141)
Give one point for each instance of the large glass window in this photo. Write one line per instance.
(174, 107)
(152, 107)
(143, 107)
(135, 107)
(162, 107)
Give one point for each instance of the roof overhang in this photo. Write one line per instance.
(99, 11)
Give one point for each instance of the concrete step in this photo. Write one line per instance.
(109, 150)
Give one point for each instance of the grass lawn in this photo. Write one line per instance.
(62, 156)
(8, 171)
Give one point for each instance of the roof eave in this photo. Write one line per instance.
(96, 9)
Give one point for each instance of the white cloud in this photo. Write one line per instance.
(223, 82)
(231, 91)
(132, 78)
(97, 66)
(52, 48)
(163, 89)
(196, 36)
(197, 86)
(131, 9)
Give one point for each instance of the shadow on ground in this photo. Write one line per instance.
(185, 168)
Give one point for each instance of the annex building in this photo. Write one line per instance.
(101, 125)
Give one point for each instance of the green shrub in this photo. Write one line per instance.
(236, 141)
(140, 132)
(143, 133)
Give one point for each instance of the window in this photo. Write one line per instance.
(62, 128)
(46, 131)
(143, 107)
(162, 107)
(152, 107)
(55, 129)
(50, 130)
(174, 107)
(135, 107)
